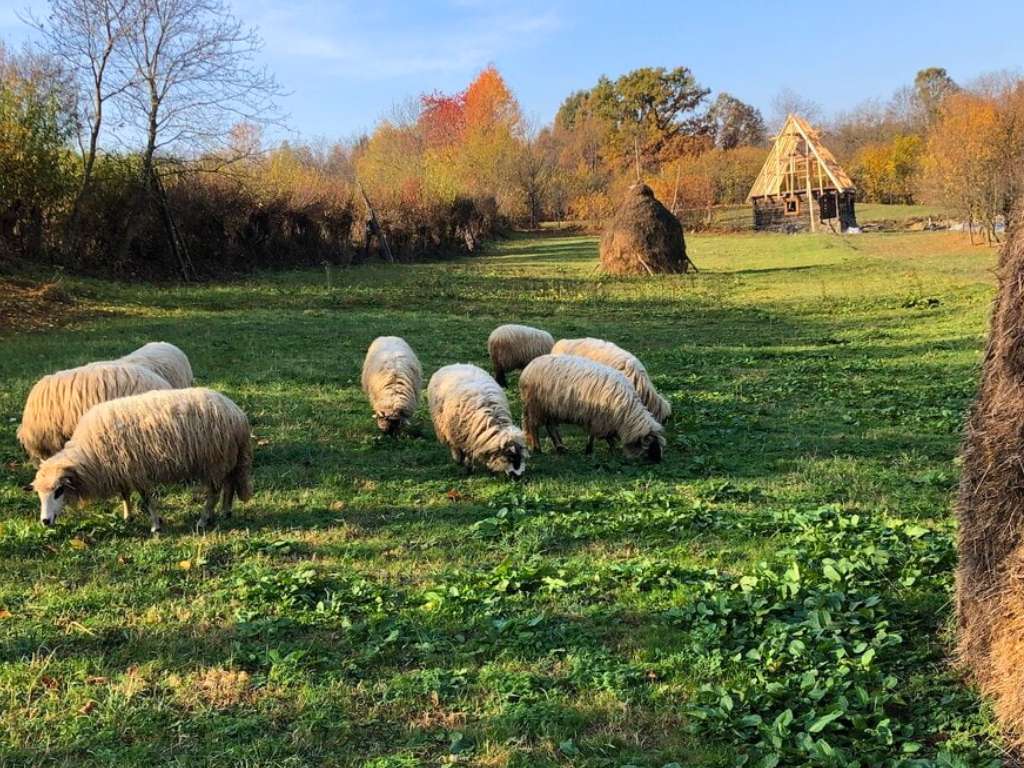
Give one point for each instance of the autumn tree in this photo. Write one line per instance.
(886, 172)
(963, 166)
(735, 123)
(931, 88)
(649, 113)
(34, 127)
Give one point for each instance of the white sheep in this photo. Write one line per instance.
(136, 443)
(165, 360)
(392, 379)
(58, 401)
(512, 347)
(614, 356)
(471, 416)
(575, 390)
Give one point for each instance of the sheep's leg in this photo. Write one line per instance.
(612, 440)
(590, 446)
(155, 521)
(499, 376)
(556, 437)
(126, 505)
(227, 498)
(208, 515)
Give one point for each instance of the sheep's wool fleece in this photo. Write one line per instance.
(628, 364)
(165, 360)
(137, 442)
(575, 390)
(57, 402)
(392, 377)
(469, 410)
(513, 346)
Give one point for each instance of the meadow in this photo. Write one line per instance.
(776, 592)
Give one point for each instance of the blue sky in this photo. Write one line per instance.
(345, 64)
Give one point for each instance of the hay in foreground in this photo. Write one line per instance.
(990, 507)
(644, 238)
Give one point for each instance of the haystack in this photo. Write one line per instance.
(990, 507)
(644, 238)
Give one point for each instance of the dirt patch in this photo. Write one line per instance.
(30, 306)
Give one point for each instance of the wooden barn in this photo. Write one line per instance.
(801, 186)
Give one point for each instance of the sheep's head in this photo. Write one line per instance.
(651, 446)
(509, 457)
(389, 422)
(56, 486)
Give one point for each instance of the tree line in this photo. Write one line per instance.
(132, 143)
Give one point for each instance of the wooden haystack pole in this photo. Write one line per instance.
(644, 237)
(801, 185)
(990, 506)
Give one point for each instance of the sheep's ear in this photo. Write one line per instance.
(70, 480)
(28, 488)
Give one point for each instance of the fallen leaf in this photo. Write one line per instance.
(185, 565)
(5, 614)
(454, 495)
(262, 442)
(78, 544)
(87, 708)
(96, 680)
(337, 506)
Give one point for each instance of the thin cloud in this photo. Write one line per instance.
(384, 50)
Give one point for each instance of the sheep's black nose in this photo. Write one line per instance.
(47, 523)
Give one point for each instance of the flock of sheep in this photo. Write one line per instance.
(589, 382)
(118, 427)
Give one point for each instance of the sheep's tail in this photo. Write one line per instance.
(240, 478)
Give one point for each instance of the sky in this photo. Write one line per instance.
(344, 65)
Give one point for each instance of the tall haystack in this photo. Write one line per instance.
(990, 507)
(644, 238)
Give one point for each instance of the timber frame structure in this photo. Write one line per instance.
(801, 186)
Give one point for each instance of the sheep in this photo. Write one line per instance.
(614, 356)
(511, 347)
(471, 416)
(58, 401)
(567, 388)
(163, 359)
(392, 380)
(135, 443)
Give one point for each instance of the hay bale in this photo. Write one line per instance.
(644, 238)
(990, 506)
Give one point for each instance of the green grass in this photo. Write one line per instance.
(776, 591)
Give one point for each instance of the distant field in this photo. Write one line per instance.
(777, 590)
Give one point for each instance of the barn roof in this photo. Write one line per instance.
(796, 154)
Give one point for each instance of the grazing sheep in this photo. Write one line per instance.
(566, 388)
(135, 443)
(471, 416)
(392, 380)
(57, 402)
(163, 359)
(512, 347)
(614, 356)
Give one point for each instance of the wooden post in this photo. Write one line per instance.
(810, 193)
(376, 224)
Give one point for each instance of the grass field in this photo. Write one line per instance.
(776, 592)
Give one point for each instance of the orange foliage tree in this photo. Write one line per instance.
(963, 166)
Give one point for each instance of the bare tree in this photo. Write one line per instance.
(87, 37)
(787, 102)
(195, 75)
